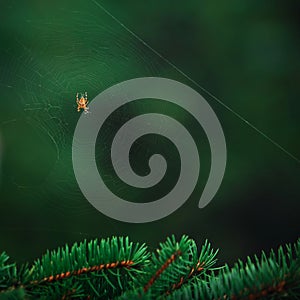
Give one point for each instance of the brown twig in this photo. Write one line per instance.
(161, 270)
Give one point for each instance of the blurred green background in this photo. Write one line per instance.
(244, 52)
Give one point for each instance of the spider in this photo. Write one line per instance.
(82, 102)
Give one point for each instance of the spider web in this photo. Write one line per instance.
(46, 64)
(51, 56)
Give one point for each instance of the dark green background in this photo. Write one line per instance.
(244, 52)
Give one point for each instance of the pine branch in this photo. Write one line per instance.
(276, 276)
(99, 267)
(118, 269)
(173, 265)
(204, 264)
(177, 263)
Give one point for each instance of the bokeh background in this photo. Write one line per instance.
(246, 53)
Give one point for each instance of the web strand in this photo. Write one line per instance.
(276, 144)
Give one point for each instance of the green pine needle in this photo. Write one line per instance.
(116, 268)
